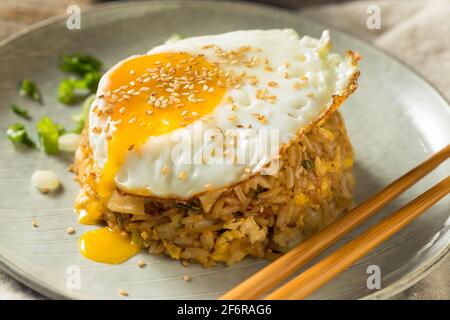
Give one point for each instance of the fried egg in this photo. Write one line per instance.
(150, 107)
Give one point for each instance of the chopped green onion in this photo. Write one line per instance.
(81, 118)
(49, 133)
(30, 89)
(120, 220)
(308, 164)
(91, 81)
(186, 206)
(18, 134)
(66, 91)
(80, 64)
(136, 239)
(85, 66)
(21, 112)
(174, 38)
(87, 104)
(72, 90)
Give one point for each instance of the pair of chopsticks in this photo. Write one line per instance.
(325, 270)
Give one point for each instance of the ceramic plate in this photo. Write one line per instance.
(395, 120)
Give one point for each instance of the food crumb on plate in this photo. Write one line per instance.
(34, 223)
(45, 180)
(123, 293)
(141, 264)
(70, 230)
(187, 278)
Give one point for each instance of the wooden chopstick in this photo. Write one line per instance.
(316, 276)
(280, 269)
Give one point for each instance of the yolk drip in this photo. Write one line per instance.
(144, 96)
(89, 210)
(152, 95)
(107, 246)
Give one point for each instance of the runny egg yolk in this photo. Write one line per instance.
(144, 96)
(152, 95)
(107, 246)
(89, 210)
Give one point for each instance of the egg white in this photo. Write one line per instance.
(328, 75)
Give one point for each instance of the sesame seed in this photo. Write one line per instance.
(148, 112)
(70, 230)
(252, 81)
(132, 72)
(187, 278)
(122, 110)
(271, 99)
(272, 84)
(262, 119)
(208, 186)
(123, 292)
(299, 85)
(141, 264)
(34, 223)
(183, 175)
(132, 120)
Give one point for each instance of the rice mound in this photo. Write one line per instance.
(261, 217)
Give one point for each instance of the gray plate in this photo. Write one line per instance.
(395, 121)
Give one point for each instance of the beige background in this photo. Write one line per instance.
(415, 31)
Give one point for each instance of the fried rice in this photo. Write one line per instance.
(260, 217)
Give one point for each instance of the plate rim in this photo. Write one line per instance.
(406, 281)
